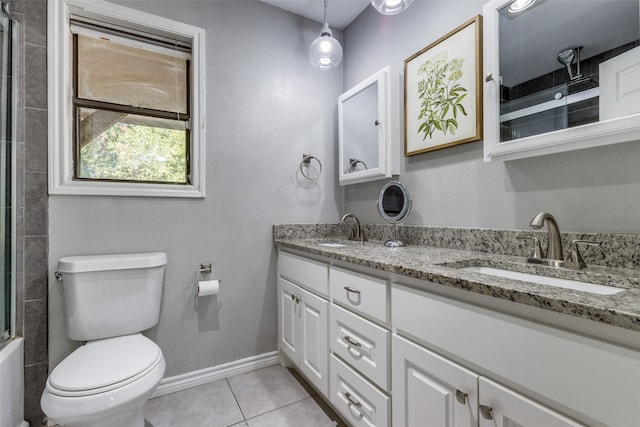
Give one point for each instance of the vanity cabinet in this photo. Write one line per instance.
(387, 350)
(303, 317)
(360, 347)
(530, 374)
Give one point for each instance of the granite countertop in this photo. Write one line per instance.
(441, 265)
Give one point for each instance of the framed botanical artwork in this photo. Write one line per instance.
(443, 91)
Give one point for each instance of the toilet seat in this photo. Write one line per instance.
(103, 365)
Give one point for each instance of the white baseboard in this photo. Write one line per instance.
(195, 378)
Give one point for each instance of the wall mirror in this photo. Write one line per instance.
(364, 131)
(394, 206)
(560, 75)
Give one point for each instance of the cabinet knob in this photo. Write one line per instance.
(461, 397)
(352, 400)
(351, 341)
(486, 412)
(355, 291)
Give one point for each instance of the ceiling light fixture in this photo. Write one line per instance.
(520, 5)
(325, 52)
(391, 7)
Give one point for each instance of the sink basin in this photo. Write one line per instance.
(545, 280)
(332, 245)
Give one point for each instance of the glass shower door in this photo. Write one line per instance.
(7, 183)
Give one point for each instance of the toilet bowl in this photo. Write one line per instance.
(109, 301)
(104, 383)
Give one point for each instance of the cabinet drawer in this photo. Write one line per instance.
(359, 402)
(305, 272)
(362, 344)
(361, 293)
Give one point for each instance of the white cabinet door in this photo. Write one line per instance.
(501, 407)
(430, 391)
(313, 344)
(303, 332)
(288, 318)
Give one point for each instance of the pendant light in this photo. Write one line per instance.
(325, 52)
(391, 7)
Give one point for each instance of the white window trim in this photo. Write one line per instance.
(60, 108)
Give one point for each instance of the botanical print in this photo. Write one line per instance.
(441, 95)
(443, 91)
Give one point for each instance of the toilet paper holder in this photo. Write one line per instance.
(204, 269)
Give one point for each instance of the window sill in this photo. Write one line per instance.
(94, 188)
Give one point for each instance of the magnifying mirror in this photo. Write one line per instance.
(394, 206)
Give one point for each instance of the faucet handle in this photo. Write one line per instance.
(536, 252)
(574, 259)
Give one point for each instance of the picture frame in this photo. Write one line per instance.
(443, 91)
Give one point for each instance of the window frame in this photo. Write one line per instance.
(61, 96)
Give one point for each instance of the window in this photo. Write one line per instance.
(127, 98)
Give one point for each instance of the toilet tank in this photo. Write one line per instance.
(111, 295)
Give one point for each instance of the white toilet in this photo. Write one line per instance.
(109, 300)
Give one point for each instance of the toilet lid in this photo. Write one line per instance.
(103, 363)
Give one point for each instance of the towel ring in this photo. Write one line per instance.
(353, 163)
(306, 161)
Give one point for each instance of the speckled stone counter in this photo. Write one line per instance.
(442, 265)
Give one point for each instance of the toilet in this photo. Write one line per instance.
(109, 301)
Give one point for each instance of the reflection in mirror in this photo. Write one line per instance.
(566, 63)
(394, 206)
(360, 133)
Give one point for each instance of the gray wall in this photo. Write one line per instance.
(594, 190)
(266, 106)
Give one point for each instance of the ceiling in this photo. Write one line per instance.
(340, 13)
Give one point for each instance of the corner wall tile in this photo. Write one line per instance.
(35, 378)
(35, 204)
(36, 140)
(35, 267)
(35, 18)
(35, 76)
(35, 332)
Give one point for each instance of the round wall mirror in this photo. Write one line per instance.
(394, 206)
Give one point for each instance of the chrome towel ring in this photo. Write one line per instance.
(306, 163)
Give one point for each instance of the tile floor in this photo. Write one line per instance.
(269, 397)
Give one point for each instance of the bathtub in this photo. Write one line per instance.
(12, 384)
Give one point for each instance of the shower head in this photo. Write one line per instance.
(566, 58)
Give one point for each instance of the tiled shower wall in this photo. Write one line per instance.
(31, 203)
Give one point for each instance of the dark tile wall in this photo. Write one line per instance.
(576, 114)
(32, 240)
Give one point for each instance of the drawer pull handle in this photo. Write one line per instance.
(355, 291)
(351, 341)
(295, 298)
(461, 397)
(352, 400)
(486, 412)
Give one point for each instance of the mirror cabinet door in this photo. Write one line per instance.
(364, 131)
(560, 75)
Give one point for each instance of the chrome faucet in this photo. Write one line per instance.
(554, 243)
(357, 233)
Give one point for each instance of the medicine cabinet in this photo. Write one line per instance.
(560, 75)
(364, 129)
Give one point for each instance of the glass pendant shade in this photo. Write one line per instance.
(391, 7)
(325, 52)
